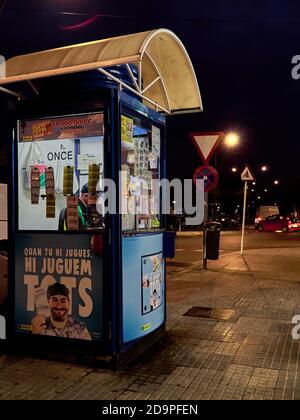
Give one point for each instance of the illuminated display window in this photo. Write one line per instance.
(140, 174)
(60, 172)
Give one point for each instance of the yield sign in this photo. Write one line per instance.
(206, 144)
(247, 174)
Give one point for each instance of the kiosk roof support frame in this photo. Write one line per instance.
(126, 86)
(133, 78)
(33, 87)
(11, 92)
(160, 78)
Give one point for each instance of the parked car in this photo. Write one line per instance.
(262, 212)
(230, 223)
(279, 223)
(227, 222)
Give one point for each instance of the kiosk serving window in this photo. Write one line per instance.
(140, 174)
(60, 172)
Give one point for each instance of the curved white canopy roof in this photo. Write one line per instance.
(167, 80)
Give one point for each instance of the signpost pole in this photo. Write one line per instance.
(244, 217)
(204, 230)
(206, 144)
(246, 175)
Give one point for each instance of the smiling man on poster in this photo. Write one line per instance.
(59, 324)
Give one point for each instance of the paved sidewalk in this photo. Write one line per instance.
(250, 356)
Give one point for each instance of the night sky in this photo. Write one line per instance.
(241, 51)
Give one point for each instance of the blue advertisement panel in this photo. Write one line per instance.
(143, 285)
(59, 286)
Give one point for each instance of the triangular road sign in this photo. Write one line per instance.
(247, 174)
(206, 144)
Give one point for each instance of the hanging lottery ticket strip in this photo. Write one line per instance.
(50, 206)
(50, 196)
(68, 180)
(94, 174)
(49, 172)
(72, 212)
(35, 184)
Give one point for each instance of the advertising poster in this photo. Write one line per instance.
(69, 127)
(127, 131)
(59, 287)
(155, 140)
(152, 277)
(143, 285)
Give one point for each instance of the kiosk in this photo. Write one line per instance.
(87, 271)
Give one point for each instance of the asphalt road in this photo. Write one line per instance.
(189, 246)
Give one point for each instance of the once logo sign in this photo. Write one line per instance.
(60, 155)
(209, 175)
(2, 328)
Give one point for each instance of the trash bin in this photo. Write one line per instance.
(212, 240)
(169, 244)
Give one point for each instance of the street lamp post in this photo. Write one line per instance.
(231, 140)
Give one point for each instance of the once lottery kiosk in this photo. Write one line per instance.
(86, 130)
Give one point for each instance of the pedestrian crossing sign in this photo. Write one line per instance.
(247, 174)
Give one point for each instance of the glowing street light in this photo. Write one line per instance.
(266, 190)
(264, 168)
(234, 169)
(276, 182)
(232, 140)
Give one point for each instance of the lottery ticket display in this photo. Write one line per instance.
(35, 185)
(68, 180)
(140, 167)
(72, 212)
(59, 157)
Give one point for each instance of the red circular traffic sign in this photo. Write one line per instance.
(210, 176)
